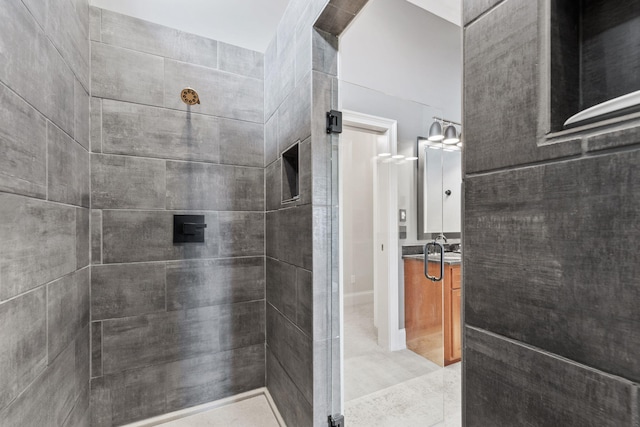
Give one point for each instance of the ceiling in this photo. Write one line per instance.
(247, 23)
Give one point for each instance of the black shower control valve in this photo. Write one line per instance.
(191, 228)
(188, 228)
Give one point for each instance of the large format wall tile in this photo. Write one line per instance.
(50, 399)
(67, 310)
(42, 78)
(510, 384)
(142, 393)
(68, 169)
(293, 407)
(140, 130)
(288, 234)
(503, 47)
(203, 283)
(547, 279)
(294, 116)
(23, 343)
(241, 143)
(126, 75)
(214, 187)
(23, 141)
(241, 61)
(136, 342)
(293, 349)
(82, 130)
(475, 8)
(144, 36)
(122, 290)
(83, 227)
(281, 287)
(221, 94)
(39, 243)
(120, 182)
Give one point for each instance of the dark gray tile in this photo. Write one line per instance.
(214, 187)
(67, 310)
(82, 130)
(290, 236)
(510, 384)
(83, 255)
(157, 132)
(135, 236)
(294, 116)
(473, 9)
(292, 349)
(96, 349)
(50, 399)
(539, 282)
(304, 53)
(96, 236)
(503, 47)
(68, 169)
(144, 36)
(66, 26)
(124, 290)
(80, 415)
(272, 220)
(349, 6)
(42, 78)
(23, 141)
(325, 52)
(152, 339)
(129, 396)
(334, 20)
(212, 377)
(271, 140)
(304, 304)
(96, 125)
(23, 342)
(95, 23)
(279, 76)
(126, 75)
(122, 182)
(241, 61)
(221, 94)
(203, 283)
(241, 143)
(273, 185)
(282, 287)
(47, 251)
(614, 138)
(241, 233)
(142, 393)
(293, 407)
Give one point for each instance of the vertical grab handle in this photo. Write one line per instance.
(426, 261)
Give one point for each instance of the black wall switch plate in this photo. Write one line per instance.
(188, 228)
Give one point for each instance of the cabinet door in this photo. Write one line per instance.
(456, 332)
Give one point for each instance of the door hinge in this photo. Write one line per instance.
(334, 121)
(336, 421)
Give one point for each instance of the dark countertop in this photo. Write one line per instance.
(449, 258)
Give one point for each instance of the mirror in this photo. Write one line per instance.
(439, 189)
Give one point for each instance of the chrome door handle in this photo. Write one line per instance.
(426, 261)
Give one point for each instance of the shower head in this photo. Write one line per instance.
(190, 96)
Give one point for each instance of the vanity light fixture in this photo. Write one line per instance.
(412, 158)
(384, 154)
(451, 135)
(435, 131)
(398, 157)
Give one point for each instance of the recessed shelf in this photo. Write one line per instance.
(595, 58)
(291, 174)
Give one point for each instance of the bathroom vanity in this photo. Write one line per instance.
(432, 309)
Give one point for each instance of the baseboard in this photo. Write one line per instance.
(358, 298)
(399, 340)
(172, 416)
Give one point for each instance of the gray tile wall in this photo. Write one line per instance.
(174, 326)
(550, 333)
(300, 87)
(44, 206)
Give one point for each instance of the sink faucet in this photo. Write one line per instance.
(441, 237)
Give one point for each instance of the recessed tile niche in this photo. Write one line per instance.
(291, 174)
(595, 54)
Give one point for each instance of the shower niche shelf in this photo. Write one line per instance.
(595, 60)
(291, 174)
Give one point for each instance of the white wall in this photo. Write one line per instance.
(359, 150)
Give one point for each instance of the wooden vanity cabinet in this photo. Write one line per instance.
(432, 311)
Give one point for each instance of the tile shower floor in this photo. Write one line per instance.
(397, 388)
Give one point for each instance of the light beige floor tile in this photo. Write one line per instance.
(254, 412)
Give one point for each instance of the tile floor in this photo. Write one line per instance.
(398, 388)
(253, 412)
